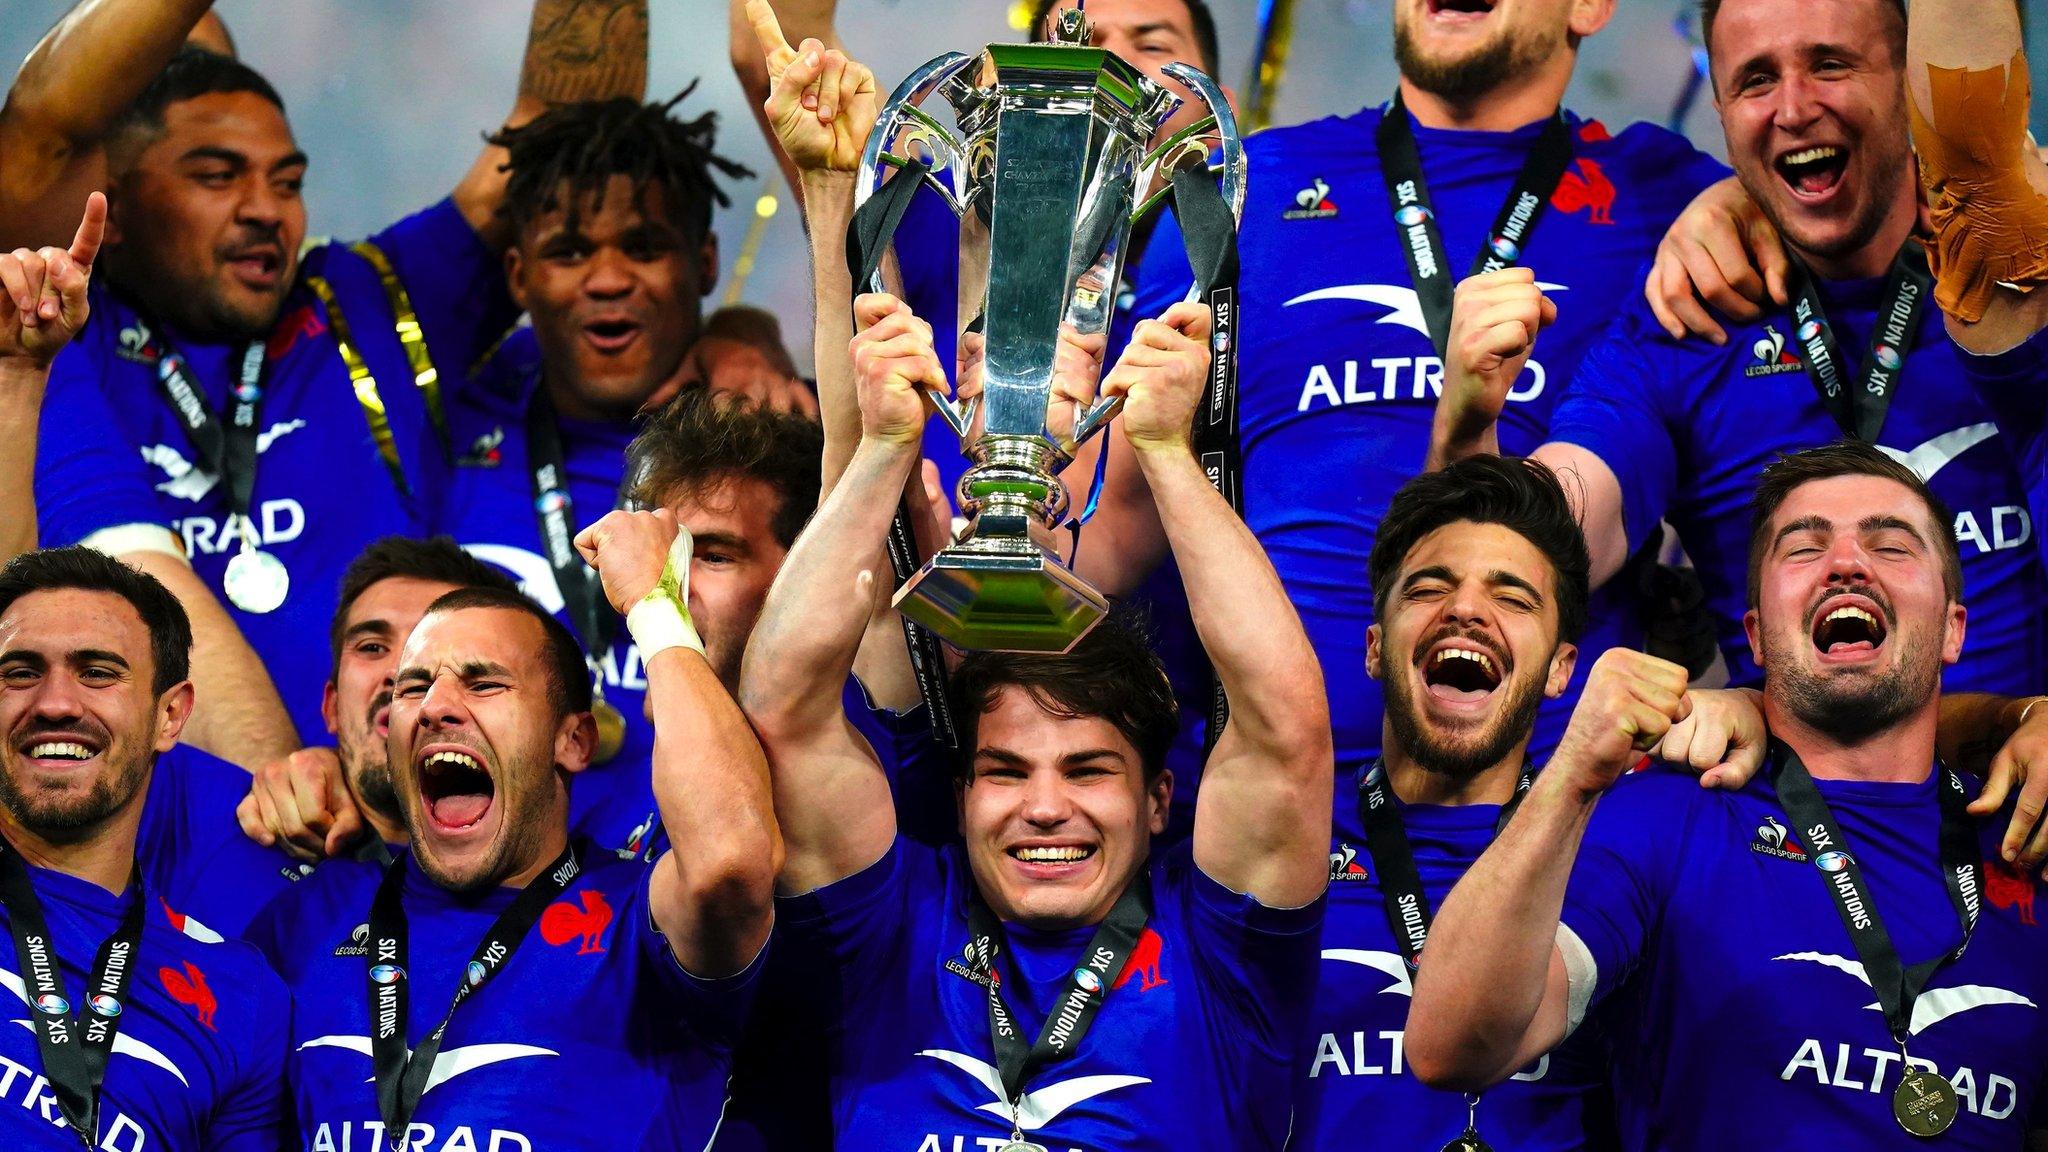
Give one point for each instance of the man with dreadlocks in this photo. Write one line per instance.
(608, 207)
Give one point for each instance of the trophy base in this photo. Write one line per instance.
(1013, 600)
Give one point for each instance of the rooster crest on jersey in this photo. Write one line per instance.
(1311, 203)
(1774, 839)
(1772, 357)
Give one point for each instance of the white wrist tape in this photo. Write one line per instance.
(661, 620)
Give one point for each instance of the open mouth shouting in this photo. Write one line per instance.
(1459, 11)
(1461, 672)
(1813, 172)
(456, 790)
(1848, 628)
(1050, 860)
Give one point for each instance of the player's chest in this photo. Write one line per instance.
(162, 1081)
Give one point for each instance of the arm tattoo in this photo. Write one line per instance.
(585, 50)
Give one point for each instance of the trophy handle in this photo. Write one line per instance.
(1096, 418)
(901, 112)
(1186, 142)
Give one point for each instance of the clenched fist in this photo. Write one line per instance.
(1495, 318)
(628, 549)
(893, 367)
(1161, 376)
(1630, 703)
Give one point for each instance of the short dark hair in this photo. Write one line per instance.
(1518, 494)
(587, 143)
(1204, 22)
(1795, 470)
(51, 569)
(1711, 10)
(192, 72)
(436, 558)
(701, 439)
(1111, 673)
(569, 682)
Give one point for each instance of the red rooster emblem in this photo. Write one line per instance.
(1589, 187)
(2006, 887)
(1144, 963)
(563, 922)
(189, 988)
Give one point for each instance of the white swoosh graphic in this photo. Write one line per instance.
(124, 1044)
(1933, 1005)
(1403, 307)
(535, 577)
(1035, 1109)
(1385, 962)
(449, 1064)
(1934, 455)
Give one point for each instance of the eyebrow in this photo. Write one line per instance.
(729, 541)
(230, 156)
(1498, 576)
(1883, 523)
(1803, 524)
(90, 655)
(1006, 757)
(468, 670)
(367, 628)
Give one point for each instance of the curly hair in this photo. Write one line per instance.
(700, 440)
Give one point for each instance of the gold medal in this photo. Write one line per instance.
(1924, 1103)
(611, 730)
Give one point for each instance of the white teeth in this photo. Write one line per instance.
(459, 759)
(1473, 654)
(1053, 855)
(1851, 613)
(1811, 155)
(60, 751)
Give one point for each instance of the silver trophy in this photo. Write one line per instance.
(1047, 172)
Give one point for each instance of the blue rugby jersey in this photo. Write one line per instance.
(1688, 427)
(590, 1036)
(1192, 1048)
(1739, 1011)
(2009, 383)
(322, 492)
(198, 1062)
(1337, 378)
(1353, 1085)
(193, 854)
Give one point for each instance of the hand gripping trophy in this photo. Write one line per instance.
(1047, 173)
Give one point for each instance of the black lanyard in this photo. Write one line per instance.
(1896, 986)
(228, 451)
(547, 463)
(74, 1041)
(1407, 905)
(1068, 1022)
(401, 1079)
(1415, 216)
(1860, 411)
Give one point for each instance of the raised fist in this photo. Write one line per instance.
(1630, 703)
(893, 366)
(1161, 376)
(629, 549)
(1495, 318)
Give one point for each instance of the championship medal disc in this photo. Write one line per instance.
(1469, 1142)
(256, 581)
(1022, 1146)
(1925, 1103)
(611, 729)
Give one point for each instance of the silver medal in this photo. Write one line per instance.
(256, 581)
(1022, 1145)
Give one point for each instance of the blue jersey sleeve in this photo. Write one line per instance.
(1259, 962)
(852, 933)
(1615, 408)
(251, 1116)
(715, 1009)
(87, 476)
(457, 286)
(2011, 384)
(1626, 870)
(920, 771)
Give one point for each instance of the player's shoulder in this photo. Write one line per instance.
(331, 900)
(1314, 140)
(184, 954)
(1646, 147)
(1658, 796)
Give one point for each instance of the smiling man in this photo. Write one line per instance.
(179, 1041)
(1814, 111)
(1791, 954)
(1051, 979)
(533, 934)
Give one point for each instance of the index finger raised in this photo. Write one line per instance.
(92, 228)
(767, 29)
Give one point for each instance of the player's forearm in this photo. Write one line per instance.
(1974, 725)
(828, 208)
(1241, 612)
(1486, 974)
(711, 784)
(238, 715)
(95, 62)
(579, 50)
(1453, 437)
(21, 403)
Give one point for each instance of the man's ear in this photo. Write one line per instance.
(1952, 633)
(330, 708)
(173, 709)
(1159, 797)
(515, 269)
(1563, 663)
(575, 741)
(1373, 652)
(1753, 629)
(707, 264)
(1589, 16)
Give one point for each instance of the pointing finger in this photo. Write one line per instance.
(85, 246)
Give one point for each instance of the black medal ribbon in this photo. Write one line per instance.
(547, 463)
(402, 1078)
(227, 451)
(1393, 858)
(1859, 411)
(1415, 217)
(74, 1041)
(1896, 985)
(1102, 961)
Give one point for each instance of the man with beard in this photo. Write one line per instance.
(142, 1035)
(1655, 428)
(1479, 589)
(591, 987)
(1354, 230)
(238, 420)
(1734, 941)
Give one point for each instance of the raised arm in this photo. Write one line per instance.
(755, 64)
(1493, 990)
(714, 901)
(576, 50)
(1987, 190)
(42, 306)
(69, 92)
(831, 796)
(1262, 825)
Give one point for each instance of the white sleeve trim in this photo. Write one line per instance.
(122, 539)
(1581, 976)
